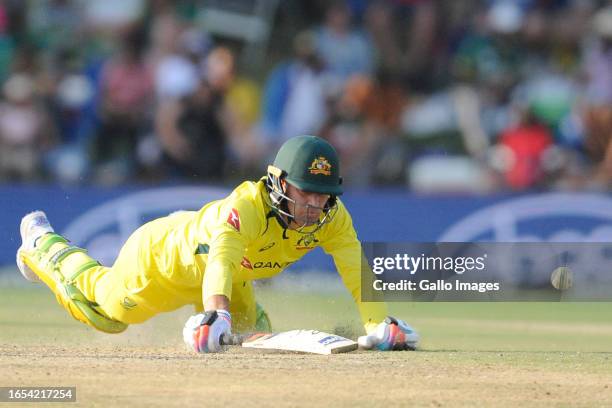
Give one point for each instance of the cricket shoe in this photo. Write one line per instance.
(33, 226)
(38, 262)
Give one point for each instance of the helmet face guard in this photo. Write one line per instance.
(282, 204)
(310, 164)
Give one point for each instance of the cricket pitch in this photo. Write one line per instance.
(471, 355)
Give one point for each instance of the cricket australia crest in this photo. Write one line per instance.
(320, 165)
(306, 242)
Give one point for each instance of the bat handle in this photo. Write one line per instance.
(231, 340)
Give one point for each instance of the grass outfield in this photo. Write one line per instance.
(491, 354)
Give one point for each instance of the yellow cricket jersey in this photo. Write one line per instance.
(240, 238)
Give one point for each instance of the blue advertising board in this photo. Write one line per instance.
(101, 219)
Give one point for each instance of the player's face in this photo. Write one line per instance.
(306, 207)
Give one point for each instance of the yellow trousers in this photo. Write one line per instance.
(132, 292)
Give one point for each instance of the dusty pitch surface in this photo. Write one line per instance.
(171, 376)
(472, 355)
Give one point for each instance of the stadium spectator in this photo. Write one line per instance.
(72, 100)
(294, 95)
(343, 49)
(350, 131)
(242, 114)
(522, 153)
(192, 130)
(110, 16)
(178, 57)
(472, 60)
(598, 109)
(405, 35)
(25, 131)
(126, 89)
(55, 24)
(235, 97)
(7, 43)
(164, 37)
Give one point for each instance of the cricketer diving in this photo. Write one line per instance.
(209, 258)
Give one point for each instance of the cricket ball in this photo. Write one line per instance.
(562, 278)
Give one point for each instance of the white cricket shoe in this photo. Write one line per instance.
(33, 226)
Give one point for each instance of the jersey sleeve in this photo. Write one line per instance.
(341, 242)
(236, 225)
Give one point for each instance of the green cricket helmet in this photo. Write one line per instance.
(310, 164)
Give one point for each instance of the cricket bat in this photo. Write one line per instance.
(301, 341)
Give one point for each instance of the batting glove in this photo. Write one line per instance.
(391, 334)
(203, 331)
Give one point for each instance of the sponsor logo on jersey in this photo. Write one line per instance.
(233, 219)
(246, 263)
(265, 264)
(128, 303)
(266, 247)
(268, 264)
(320, 165)
(306, 242)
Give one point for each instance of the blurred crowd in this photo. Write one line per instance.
(432, 95)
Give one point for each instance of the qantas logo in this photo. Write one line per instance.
(270, 264)
(233, 219)
(261, 264)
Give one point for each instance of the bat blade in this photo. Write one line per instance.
(299, 341)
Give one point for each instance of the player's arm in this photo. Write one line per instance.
(236, 226)
(340, 241)
(383, 332)
(215, 302)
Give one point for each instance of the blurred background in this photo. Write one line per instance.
(426, 95)
(455, 120)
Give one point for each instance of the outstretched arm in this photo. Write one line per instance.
(340, 241)
(383, 332)
(228, 240)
